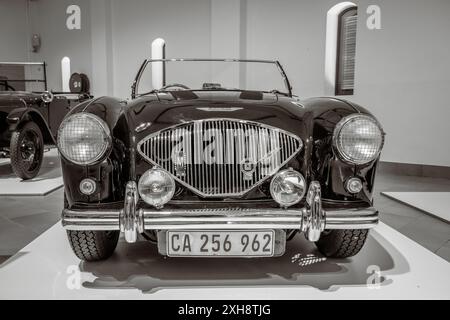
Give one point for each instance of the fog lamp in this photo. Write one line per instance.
(288, 187)
(156, 187)
(353, 185)
(87, 186)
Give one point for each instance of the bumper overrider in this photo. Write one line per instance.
(311, 220)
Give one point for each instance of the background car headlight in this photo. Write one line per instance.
(358, 139)
(288, 187)
(156, 187)
(83, 138)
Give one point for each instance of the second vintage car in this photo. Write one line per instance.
(223, 161)
(30, 115)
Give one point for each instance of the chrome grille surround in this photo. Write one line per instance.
(220, 157)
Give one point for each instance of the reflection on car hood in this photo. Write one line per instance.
(184, 106)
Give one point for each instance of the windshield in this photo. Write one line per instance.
(22, 76)
(210, 74)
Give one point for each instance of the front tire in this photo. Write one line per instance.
(93, 245)
(27, 151)
(342, 243)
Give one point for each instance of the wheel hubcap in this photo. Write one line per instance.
(30, 150)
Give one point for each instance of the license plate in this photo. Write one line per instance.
(220, 243)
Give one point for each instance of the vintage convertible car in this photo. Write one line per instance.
(29, 115)
(221, 162)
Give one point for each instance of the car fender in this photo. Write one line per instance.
(20, 115)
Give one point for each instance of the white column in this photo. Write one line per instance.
(158, 72)
(65, 74)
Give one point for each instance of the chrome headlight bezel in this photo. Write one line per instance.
(281, 175)
(106, 149)
(157, 203)
(337, 131)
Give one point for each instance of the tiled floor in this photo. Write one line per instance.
(22, 219)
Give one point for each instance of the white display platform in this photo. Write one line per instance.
(4, 161)
(47, 269)
(35, 187)
(434, 203)
(49, 179)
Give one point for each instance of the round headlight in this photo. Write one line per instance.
(83, 138)
(288, 187)
(156, 187)
(358, 139)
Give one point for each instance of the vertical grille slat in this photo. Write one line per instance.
(220, 157)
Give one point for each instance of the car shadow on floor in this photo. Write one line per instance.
(140, 266)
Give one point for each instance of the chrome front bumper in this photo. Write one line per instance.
(311, 220)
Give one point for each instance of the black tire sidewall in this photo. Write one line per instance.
(17, 163)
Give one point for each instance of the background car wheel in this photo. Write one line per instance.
(342, 243)
(93, 245)
(27, 151)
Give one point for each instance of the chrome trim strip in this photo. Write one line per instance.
(223, 218)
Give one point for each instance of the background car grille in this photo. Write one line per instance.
(220, 157)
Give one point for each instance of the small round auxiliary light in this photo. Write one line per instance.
(288, 187)
(87, 186)
(353, 185)
(156, 187)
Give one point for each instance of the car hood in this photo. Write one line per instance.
(160, 111)
(171, 109)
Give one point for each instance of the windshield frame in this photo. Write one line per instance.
(143, 66)
(43, 64)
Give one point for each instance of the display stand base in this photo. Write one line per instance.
(390, 266)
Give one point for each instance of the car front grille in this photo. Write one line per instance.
(220, 157)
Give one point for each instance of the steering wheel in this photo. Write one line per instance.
(175, 85)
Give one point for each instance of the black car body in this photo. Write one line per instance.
(29, 120)
(249, 169)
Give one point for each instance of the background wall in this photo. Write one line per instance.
(185, 26)
(48, 18)
(403, 76)
(402, 70)
(14, 30)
